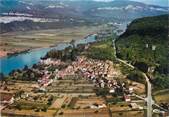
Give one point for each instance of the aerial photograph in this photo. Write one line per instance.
(84, 58)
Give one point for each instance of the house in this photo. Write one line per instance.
(42, 89)
(47, 61)
(24, 95)
(102, 106)
(112, 90)
(102, 84)
(130, 89)
(151, 69)
(134, 106)
(97, 106)
(94, 107)
(127, 98)
(153, 47)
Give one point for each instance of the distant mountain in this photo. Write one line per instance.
(74, 11)
(125, 10)
(81, 9)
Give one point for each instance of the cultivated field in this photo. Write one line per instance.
(128, 114)
(161, 96)
(85, 113)
(81, 107)
(72, 87)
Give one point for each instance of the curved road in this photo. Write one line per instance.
(149, 99)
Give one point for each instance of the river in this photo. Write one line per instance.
(9, 63)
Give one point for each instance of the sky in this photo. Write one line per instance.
(154, 2)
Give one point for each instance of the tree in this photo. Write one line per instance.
(58, 54)
(102, 92)
(136, 76)
(73, 43)
(19, 93)
(44, 109)
(73, 54)
(18, 106)
(25, 68)
(161, 82)
(1, 76)
(32, 76)
(141, 66)
(163, 68)
(35, 66)
(12, 72)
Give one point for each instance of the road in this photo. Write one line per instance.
(148, 99)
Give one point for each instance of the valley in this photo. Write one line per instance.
(78, 58)
(15, 42)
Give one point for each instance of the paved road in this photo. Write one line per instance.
(149, 97)
(149, 93)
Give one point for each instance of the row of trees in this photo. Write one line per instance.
(68, 53)
(26, 74)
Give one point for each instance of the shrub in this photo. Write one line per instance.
(44, 109)
(63, 106)
(102, 92)
(60, 113)
(136, 76)
(37, 110)
(18, 106)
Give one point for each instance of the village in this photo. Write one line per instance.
(81, 87)
(77, 89)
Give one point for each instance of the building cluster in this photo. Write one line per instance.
(50, 61)
(89, 68)
(101, 73)
(45, 80)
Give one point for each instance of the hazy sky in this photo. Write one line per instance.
(155, 2)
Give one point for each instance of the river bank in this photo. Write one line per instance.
(3, 53)
(33, 56)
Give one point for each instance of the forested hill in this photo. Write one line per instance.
(146, 43)
(152, 26)
(145, 40)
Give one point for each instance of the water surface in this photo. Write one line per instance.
(7, 64)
